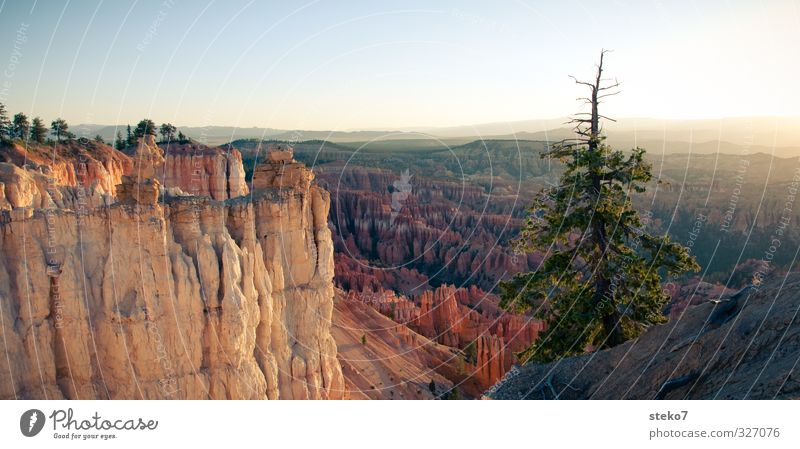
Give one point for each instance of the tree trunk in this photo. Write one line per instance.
(611, 328)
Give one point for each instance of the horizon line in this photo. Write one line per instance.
(419, 128)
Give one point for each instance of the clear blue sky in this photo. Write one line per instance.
(358, 64)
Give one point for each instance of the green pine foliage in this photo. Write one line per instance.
(120, 144)
(38, 130)
(145, 127)
(60, 129)
(167, 131)
(5, 123)
(20, 126)
(600, 282)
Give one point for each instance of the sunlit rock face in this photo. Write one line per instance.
(75, 175)
(182, 298)
(281, 170)
(200, 170)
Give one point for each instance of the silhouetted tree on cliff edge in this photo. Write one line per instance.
(38, 130)
(60, 128)
(167, 131)
(5, 124)
(119, 144)
(20, 126)
(599, 283)
(144, 128)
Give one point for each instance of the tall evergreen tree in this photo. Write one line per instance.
(20, 126)
(167, 131)
(5, 124)
(119, 143)
(38, 130)
(599, 283)
(181, 137)
(59, 128)
(144, 128)
(130, 138)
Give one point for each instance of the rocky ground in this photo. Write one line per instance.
(746, 346)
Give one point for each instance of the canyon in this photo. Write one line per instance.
(158, 272)
(278, 271)
(423, 257)
(467, 319)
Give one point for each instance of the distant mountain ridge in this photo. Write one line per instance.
(740, 134)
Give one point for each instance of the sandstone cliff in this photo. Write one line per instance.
(73, 175)
(200, 170)
(84, 174)
(190, 298)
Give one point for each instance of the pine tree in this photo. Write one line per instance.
(182, 138)
(38, 130)
(599, 283)
(59, 128)
(119, 143)
(130, 139)
(20, 126)
(145, 127)
(167, 131)
(5, 124)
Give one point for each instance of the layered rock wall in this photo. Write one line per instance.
(72, 175)
(204, 171)
(193, 298)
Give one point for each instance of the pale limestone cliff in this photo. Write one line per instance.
(203, 171)
(83, 174)
(18, 188)
(192, 298)
(282, 170)
(77, 175)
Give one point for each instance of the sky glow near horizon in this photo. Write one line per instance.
(385, 65)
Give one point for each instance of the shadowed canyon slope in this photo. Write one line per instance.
(744, 347)
(468, 320)
(382, 359)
